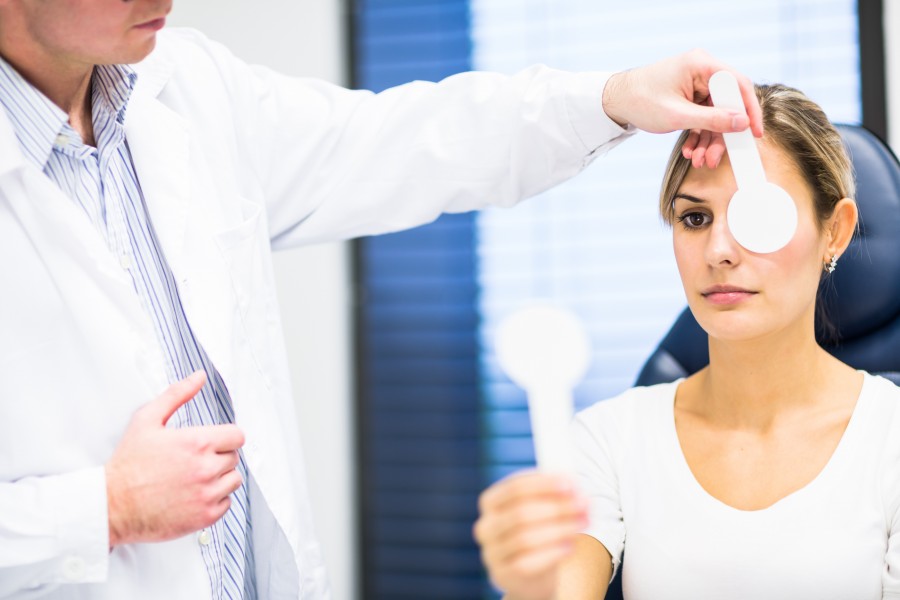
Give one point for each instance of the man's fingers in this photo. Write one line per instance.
(704, 147)
(221, 439)
(161, 409)
(699, 155)
(226, 438)
(690, 144)
(715, 150)
(709, 66)
(230, 482)
(751, 103)
(710, 118)
(228, 461)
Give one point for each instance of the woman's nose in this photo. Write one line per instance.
(721, 247)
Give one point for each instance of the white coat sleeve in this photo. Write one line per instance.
(53, 531)
(336, 163)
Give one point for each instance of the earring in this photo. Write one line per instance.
(830, 267)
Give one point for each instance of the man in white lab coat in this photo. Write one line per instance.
(138, 211)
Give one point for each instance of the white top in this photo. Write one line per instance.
(836, 538)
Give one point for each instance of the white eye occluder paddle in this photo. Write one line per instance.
(762, 217)
(546, 351)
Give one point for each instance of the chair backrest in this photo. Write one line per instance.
(862, 298)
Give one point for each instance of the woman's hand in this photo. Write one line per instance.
(527, 528)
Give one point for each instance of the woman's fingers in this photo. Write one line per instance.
(533, 538)
(528, 512)
(528, 526)
(522, 486)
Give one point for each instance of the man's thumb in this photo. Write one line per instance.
(164, 406)
(710, 118)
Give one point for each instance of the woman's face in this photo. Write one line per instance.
(736, 294)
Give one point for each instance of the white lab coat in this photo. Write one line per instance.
(232, 160)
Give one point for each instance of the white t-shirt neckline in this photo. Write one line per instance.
(683, 469)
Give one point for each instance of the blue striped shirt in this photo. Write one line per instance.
(103, 182)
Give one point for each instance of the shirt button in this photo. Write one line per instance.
(204, 537)
(62, 140)
(125, 261)
(74, 568)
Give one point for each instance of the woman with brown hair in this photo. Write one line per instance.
(774, 472)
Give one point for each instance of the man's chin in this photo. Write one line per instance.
(145, 50)
(135, 52)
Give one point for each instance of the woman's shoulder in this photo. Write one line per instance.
(883, 397)
(881, 430)
(876, 421)
(882, 387)
(633, 406)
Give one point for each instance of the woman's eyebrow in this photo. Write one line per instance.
(688, 197)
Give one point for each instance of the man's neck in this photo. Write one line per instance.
(66, 83)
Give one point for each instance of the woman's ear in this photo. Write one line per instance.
(841, 226)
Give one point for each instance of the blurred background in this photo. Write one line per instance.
(403, 412)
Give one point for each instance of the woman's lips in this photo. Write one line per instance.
(726, 295)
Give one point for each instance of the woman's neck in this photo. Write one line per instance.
(753, 384)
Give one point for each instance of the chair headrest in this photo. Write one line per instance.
(866, 285)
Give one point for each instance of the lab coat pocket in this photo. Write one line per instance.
(245, 230)
(246, 252)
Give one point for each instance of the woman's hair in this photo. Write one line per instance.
(799, 127)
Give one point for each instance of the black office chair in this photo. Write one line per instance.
(863, 298)
(863, 303)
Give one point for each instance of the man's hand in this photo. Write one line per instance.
(673, 94)
(164, 483)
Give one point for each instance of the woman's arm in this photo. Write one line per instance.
(585, 574)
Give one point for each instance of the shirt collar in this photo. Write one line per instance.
(112, 86)
(38, 122)
(35, 119)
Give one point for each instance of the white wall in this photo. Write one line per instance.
(892, 70)
(305, 37)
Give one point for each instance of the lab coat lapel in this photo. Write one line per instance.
(11, 157)
(51, 215)
(85, 272)
(158, 141)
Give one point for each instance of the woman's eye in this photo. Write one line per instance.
(694, 220)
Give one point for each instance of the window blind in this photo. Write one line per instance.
(418, 347)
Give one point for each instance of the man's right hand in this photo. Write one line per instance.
(164, 483)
